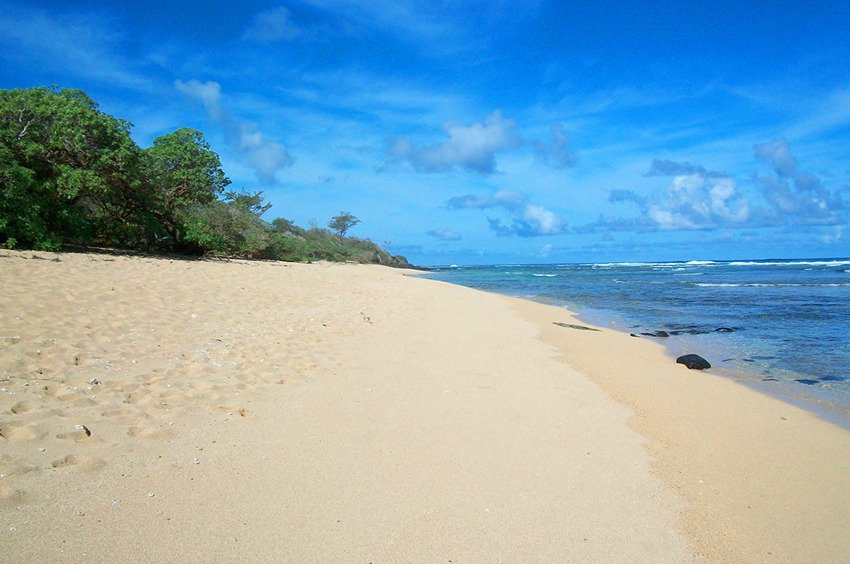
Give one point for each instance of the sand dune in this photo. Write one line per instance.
(159, 409)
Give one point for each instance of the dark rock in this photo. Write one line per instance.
(770, 379)
(724, 330)
(832, 379)
(662, 334)
(807, 381)
(693, 361)
(686, 329)
(689, 332)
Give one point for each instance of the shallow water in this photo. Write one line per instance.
(789, 319)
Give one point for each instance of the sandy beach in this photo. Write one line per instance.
(155, 409)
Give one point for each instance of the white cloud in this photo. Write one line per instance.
(696, 202)
(264, 156)
(472, 147)
(795, 197)
(543, 221)
(208, 93)
(526, 219)
(692, 201)
(272, 25)
(445, 234)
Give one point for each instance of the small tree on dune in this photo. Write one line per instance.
(343, 222)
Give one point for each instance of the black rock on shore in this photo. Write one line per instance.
(693, 361)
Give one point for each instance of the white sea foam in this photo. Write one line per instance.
(768, 285)
(791, 263)
(545, 275)
(692, 263)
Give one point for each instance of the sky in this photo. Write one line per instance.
(489, 132)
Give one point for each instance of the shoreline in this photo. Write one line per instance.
(830, 411)
(826, 409)
(689, 418)
(336, 412)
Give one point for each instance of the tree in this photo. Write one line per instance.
(65, 167)
(230, 227)
(181, 172)
(343, 222)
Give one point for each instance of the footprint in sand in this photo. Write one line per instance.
(80, 433)
(20, 431)
(113, 411)
(149, 430)
(11, 497)
(88, 463)
(11, 467)
(23, 407)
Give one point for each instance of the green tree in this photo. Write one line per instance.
(64, 167)
(230, 227)
(182, 173)
(342, 223)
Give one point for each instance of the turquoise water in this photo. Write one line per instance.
(785, 323)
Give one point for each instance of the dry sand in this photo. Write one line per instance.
(155, 409)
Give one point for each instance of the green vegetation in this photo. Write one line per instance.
(72, 175)
(343, 222)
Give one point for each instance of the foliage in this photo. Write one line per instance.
(186, 173)
(71, 174)
(232, 227)
(62, 165)
(343, 222)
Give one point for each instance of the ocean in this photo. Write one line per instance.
(784, 325)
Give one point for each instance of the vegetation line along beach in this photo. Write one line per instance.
(72, 175)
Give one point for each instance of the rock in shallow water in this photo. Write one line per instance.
(807, 381)
(693, 361)
(661, 334)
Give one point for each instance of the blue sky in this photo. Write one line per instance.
(489, 132)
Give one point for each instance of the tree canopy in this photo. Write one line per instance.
(71, 174)
(343, 222)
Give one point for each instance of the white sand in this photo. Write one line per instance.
(269, 411)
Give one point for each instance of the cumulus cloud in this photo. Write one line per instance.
(264, 156)
(272, 25)
(666, 167)
(795, 197)
(445, 234)
(525, 219)
(557, 152)
(471, 147)
(698, 198)
(692, 201)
